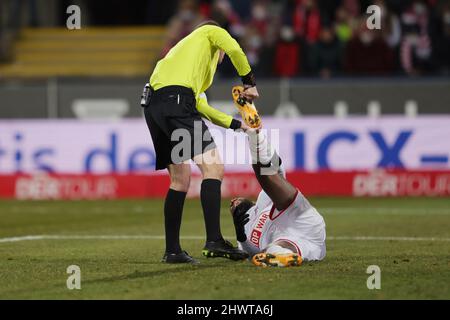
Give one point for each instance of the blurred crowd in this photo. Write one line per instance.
(283, 38)
(327, 38)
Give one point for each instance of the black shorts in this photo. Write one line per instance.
(176, 127)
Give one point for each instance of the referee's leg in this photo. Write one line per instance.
(212, 169)
(179, 184)
(180, 175)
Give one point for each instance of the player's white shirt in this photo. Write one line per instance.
(300, 224)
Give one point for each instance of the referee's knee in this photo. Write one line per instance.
(213, 171)
(180, 182)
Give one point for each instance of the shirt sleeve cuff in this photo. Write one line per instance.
(235, 124)
(249, 80)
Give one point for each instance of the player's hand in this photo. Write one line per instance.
(240, 219)
(250, 93)
(239, 225)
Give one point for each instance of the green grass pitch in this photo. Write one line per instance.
(409, 239)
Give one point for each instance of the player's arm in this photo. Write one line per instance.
(215, 116)
(221, 39)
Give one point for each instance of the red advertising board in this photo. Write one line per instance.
(322, 183)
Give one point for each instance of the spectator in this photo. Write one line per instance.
(260, 17)
(391, 30)
(327, 33)
(304, 16)
(367, 53)
(442, 52)
(345, 24)
(182, 23)
(328, 11)
(255, 35)
(242, 8)
(353, 7)
(266, 19)
(287, 54)
(415, 50)
(252, 42)
(325, 54)
(204, 8)
(223, 13)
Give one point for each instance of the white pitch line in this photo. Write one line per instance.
(92, 237)
(384, 211)
(371, 238)
(325, 210)
(161, 237)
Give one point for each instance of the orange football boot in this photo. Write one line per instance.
(246, 108)
(277, 260)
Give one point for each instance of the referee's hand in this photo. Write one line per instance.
(250, 93)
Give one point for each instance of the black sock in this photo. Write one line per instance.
(210, 197)
(173, 209)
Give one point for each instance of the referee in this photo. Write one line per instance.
(178, 102)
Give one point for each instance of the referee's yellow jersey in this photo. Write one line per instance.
(192, 63)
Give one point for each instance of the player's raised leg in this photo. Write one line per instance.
(266, 165)
(267, 168)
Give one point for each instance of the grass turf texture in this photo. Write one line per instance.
(130, 268)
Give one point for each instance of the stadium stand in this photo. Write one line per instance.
(96, 51)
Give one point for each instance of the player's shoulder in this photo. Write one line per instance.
(263, 200)
(300, 202)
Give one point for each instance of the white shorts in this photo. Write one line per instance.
(309, 250)
(304, 230)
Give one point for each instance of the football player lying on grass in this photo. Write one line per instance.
(282, 228)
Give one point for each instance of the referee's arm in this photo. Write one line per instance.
(215, 116)
(220, 38)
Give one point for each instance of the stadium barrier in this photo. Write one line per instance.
(61, 97)
(306, 144)
(379, 183)
(324, 156)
